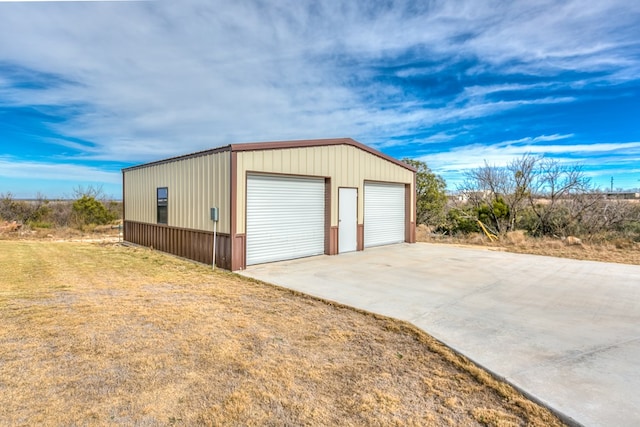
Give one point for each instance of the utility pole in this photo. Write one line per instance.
(612, 184)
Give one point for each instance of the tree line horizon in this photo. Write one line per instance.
(534, 194)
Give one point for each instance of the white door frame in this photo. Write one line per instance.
(347, 219)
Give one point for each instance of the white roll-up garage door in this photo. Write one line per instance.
(285, 218)
(384, 216)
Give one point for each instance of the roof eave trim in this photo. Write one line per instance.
(178, 158)
(304, 143)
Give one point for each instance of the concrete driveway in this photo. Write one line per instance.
(566, 332)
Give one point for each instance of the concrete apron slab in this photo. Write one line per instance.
(566, 332)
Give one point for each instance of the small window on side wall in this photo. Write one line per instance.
(163, 203)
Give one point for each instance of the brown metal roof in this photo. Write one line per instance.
(276, 145)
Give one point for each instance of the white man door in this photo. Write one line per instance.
(347, 219)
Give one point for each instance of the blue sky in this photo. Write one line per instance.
(87, 88)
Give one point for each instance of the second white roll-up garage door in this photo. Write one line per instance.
(384, 216)
(285, 218)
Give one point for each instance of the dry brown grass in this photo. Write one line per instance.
(96, 233)
(102, 334)
(621, 251)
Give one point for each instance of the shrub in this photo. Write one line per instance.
(23, 211)
(40, 224)
(495, 214)
(431, 197)
(89, 211)
(60, 213)
(460, 221)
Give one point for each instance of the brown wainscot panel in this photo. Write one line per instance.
(333, 242)
(412, 234)
(196, 245)
(238, 261)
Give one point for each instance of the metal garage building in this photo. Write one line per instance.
(275, 200)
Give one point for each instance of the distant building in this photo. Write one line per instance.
(622, 195)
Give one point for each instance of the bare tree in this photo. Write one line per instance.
(501, 192)
(594, 214)
(522, 173)
(96, 192)
(546, 197)
(23, 211)
(553, 186)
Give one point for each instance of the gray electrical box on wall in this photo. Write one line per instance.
(214, 214)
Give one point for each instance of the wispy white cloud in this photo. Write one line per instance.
(60, 1)
(592, 157)
(548, 36)
(145, 80)
(533, 140)
(214, 68)
(19, 169)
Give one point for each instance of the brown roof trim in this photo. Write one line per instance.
(303, 143)
(276, 145)
(178, 158)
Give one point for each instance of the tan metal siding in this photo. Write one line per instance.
(347, 166)
(195, 185)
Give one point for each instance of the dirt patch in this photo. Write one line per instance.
(9, 227)
(106, 334)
